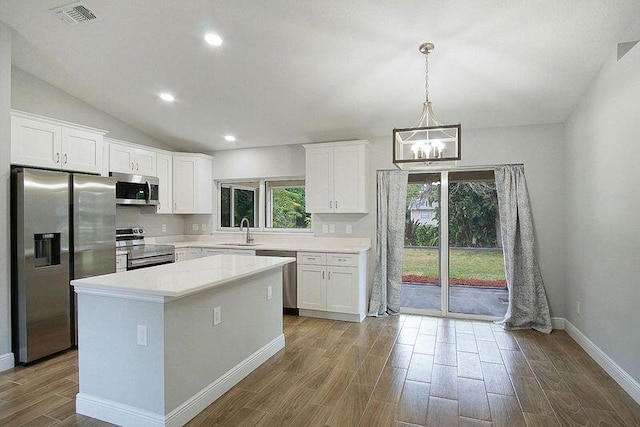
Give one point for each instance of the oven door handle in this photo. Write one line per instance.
(150, 261)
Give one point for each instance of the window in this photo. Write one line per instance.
(281, 201)
(237, 201)
(285, 205)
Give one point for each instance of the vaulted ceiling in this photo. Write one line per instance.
(308, 71)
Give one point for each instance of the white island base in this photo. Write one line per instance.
(149, 353)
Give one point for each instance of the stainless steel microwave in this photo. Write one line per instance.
(136, 189)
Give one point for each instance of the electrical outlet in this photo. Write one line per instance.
(269, 293)
(217, 316)
(332, 228)
(349, 229)
(164, 228)
(194, 227)
(578, 307)
(325, 228)
(142, 335)
(203, 227)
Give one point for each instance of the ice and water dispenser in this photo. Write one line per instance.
(47, 249)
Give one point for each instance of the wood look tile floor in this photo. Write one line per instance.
(395, 371)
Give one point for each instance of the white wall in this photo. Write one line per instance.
(539, 148)
(5, 144)
(30, 94)
(139, 216)
(602, 205)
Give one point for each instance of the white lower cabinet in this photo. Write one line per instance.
(121, 263)
(332, 285)
(183, 254)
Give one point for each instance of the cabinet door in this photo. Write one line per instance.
(35, 143)
(212, 252)
(350, 174)
(121, 158)
(319, 180)
(204, 195)
(145, 162)
(193, 253)
(184, 184)
(312, 288)
(81, 150)
(342, 289)
(163, 170)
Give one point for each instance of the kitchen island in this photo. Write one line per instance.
(158, 345)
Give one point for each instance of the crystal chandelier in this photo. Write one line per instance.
(428, 140)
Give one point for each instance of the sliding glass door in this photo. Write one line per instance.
(453, 262)
(421, 287)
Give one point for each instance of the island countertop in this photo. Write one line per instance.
(176, 280)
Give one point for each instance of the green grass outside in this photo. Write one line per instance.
(463, 264)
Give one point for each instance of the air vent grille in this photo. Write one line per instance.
(74, 13)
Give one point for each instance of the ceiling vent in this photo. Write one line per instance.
(74, 13)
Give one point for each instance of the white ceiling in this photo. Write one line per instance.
(308, 71)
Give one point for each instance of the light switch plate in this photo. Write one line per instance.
(269, 293)
(217, 316)
(325, 228)
(349, 229)
(203, 227)
(194, 227)
(142, 335)
(332, 228)
(164, 228)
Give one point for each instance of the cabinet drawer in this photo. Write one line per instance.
(313, 258)
(348, 260)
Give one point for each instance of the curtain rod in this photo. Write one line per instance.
(434, 169)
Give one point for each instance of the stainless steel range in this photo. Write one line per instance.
(139, 254)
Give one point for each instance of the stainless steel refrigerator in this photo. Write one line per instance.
(62, 228)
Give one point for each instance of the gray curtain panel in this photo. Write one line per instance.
(387, 280)
(528, 307)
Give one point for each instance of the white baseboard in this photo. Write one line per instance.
(115, 412)
(7, 361)
(198, 402)
(125, 415)
(626, 381)
(558, 323)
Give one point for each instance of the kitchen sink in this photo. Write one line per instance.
(238, 244)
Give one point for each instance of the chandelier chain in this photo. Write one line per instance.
(426, 76)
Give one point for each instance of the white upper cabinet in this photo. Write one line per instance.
(124, 158)
(192, 184)
(48, 143)
(337, 175)
(164, 169)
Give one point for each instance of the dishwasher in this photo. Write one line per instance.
(289, 281)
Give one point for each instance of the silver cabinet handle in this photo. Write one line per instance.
(57, 157)
(131, 165)
(329, 274)
(66, 158)
(175, 205)
(341, 259)
(330, 204)
(137, 166)
(336, 204)
(323, 274)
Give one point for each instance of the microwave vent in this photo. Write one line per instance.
(74, 13)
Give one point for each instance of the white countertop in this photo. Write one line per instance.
(178, 279)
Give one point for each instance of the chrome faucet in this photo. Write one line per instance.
(242, 221)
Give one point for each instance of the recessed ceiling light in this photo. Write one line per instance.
(213, 39)
(166, 96)
(229, 138)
